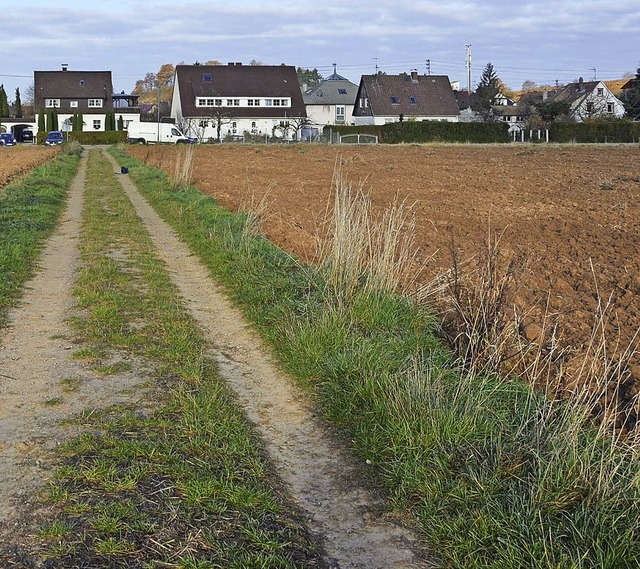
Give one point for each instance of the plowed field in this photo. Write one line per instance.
(15, 160)
(573, 211)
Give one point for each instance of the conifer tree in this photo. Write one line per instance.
(4, 103)
(18, 104)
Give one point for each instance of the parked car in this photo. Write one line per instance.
(53, 138)
(7, 139)
(26, 136)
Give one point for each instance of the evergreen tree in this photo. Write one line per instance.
(18, 104)
(4, 103)
(308, 77)
(42, 125)
(77, 122)
(120, 123)
(488, 88)
(54, 121)
(631, 98)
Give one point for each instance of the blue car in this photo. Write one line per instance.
(7, 139)
(53, 138)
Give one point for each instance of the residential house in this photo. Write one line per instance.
(89, 93)
(234, 99)
(389, 98)
(331, 101)
(590, 99)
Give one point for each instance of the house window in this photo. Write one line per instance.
(268, 102)
(95, 103)
(394, 101)
(253, 102)
(600, 91)
(340, 114)
(203, 124)
(610, 107)
(342, 91)
(73, 104)
(96, 124)
(81, 82)
(52, 103)
(254, 128)
(589, 108)
(207, 78)
(234, 127)
(218, 102)
(412, 100)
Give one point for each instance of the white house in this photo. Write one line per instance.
(331, 101)
(590, 99)
(390, 98)
(218, 101)
(89, 93)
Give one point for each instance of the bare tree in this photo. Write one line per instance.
(220, 117)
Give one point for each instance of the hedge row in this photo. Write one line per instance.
(430, 131)
(617, 132)
(109, 137)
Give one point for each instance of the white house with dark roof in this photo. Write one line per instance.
(331, 101)
(260, 100)
(590, 99)
(390, 98)
(89, 93)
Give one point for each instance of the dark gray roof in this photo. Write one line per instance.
(575, 91)
(334, 90)
(235, 81)
(67, 85)
(410, 95)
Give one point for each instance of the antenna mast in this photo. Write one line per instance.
(468, 46)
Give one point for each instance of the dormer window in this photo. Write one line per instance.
(394, 101)
(207, 78)
(342, 91)
(412, 100)
(81, 82)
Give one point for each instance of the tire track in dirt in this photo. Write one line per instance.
(35, 359)
(320, 477)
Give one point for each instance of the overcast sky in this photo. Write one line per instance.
(543, 40)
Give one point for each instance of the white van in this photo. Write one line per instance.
(144, 132)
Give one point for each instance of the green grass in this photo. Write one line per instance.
(29, 210)
(494, 474)
(185, 481)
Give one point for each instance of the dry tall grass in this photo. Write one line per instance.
(365, 251)
(183, 170)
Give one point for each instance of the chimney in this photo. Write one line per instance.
(580, 84)
(414, 75)
(65, 66)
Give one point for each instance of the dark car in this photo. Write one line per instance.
(26, 136)
(7, 139)
(53, 138)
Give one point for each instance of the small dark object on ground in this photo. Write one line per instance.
(124, 170)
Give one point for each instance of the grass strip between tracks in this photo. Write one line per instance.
(182, 482)
(494, 474)
(29, 211)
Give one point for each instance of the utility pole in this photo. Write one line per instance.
(428, 62)
(376, 64)
(595, 73)
(468, 46)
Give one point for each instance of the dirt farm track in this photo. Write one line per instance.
(572, 211)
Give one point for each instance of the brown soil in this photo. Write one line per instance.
(19, 159)
(573, 211)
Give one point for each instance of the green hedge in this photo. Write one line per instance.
(611, 131)
(441, 131)
(430, 131)
(109, 137)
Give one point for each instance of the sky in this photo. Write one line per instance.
(542, 41)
